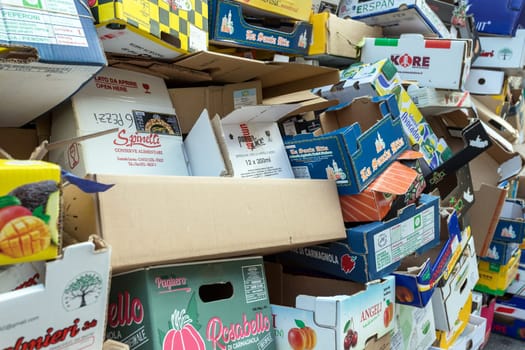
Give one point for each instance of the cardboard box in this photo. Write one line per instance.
(385, 196)
(230, 26)
(509, 317)
(114, 345)
(261, 215)
(517, 286)
(444, 339)
(67, 310)
(373, 250)
(205, 304)
(500, 252)
(330, 6)
(327, 31)
(494, 278)
(277, 78)
(487, 312)
(342, 152)
(296, 9)
(418, 275)
(396, 16)
(455, 289)
(149, 140)
(18, 142)
(472, 336)
(432, 102)
(500, 52)
(414, 327)
(485, 81)
(484, 213)
(511, 225)
(219, 100)
(496, 122)
(500, 19)
(20, 276)
(49, 50)
(161, 30)
(381, 79)
(30, 211)
(333, 309)
(423, 60)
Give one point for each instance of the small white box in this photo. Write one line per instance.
(502, 52)
(473, 336)
(485, 81)
(438, 63)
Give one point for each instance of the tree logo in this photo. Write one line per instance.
(83, 290)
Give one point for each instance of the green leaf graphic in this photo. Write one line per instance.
(193, 312)
(347, 326)
(300, 323)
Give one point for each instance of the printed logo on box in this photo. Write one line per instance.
(405, 60)
(371, 6)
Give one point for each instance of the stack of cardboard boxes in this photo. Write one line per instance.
(231, 174)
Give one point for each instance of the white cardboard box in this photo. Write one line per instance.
(473, 336)
(396, 16)
(148, 140)
(423, 60)
(20, 276)
(67, 311)
(502, 52)
(413, 327)
(448, 299)
(485, 81)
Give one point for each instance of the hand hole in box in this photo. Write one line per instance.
(215, 291)
(481, 81)
(116, 26)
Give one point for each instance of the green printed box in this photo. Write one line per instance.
(221, 304)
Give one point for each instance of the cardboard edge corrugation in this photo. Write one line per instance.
(150, 220)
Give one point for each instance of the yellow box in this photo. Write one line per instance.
(494, 279)
(445, 340)
(162, 29)
(296, 9)
(29, 211)
(332, 35)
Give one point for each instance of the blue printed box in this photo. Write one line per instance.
(416, 286)
(500, 252)
(511, 224)
(228, 26)
(373, 250)
(509, 317)
(497, 17)
(362, 138)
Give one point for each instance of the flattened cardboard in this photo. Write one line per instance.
(212, 217)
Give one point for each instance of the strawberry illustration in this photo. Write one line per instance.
(347, 263)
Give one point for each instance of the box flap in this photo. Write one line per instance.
(309, 101)
(204, 156)
(259, 114)
(396, 179)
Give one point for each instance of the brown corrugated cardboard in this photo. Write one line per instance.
(19, 143)
(219, 100)
(496, 164)
(154, 219)
(277, 78)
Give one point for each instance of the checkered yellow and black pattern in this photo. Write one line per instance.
(155, 17)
